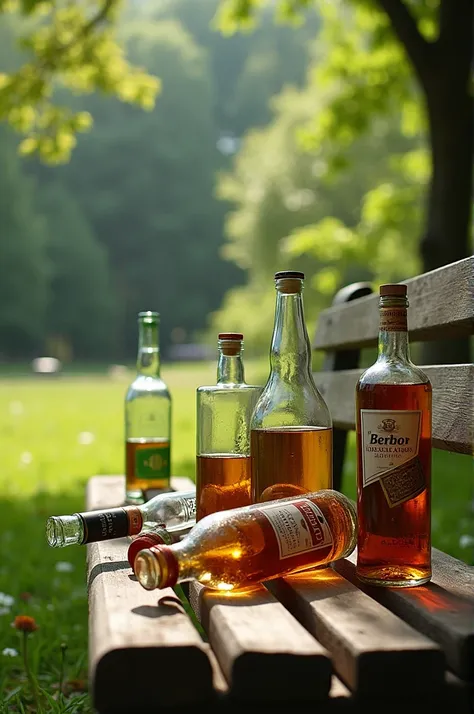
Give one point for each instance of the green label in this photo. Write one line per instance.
(153, 462)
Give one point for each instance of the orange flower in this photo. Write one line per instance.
(25, 623)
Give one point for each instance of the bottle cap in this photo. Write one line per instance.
(395, 289)
(289, 274)
(230, 336)
(147, 540)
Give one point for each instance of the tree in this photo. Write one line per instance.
(80, 317)
(73, 45)
(24, 263)
(377, 61)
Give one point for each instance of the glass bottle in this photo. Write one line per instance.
(393, 405)
(173, 510)
(147, 418)
(239, 548)
(222, 435)
(154, 535)
(291, 428)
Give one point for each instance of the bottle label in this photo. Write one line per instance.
(105, 525)
(393, 319)
(190, 506)
(390, 443)
(299, 527)
(153, 462)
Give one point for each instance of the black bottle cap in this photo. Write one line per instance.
(289, 274)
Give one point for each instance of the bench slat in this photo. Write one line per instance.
(441, 307)
(264, 652)
(452, 402)
(135, 635)
(443, 609)
(373, 651)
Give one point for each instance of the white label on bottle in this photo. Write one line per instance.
(389, 439)
(299, 527)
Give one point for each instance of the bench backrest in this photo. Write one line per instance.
(441, 308)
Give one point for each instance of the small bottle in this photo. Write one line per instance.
(147, 418)
(155, 535)
(291, 429)
(173, 510)
(223, 436)
(393, 405)
(239, 548)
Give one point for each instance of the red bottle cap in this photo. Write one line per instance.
(395, 289)
(147, 540)
(230, 336)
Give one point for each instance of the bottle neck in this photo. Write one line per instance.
(148, 359)
(290, 353)
(393, 333)
(230, 369)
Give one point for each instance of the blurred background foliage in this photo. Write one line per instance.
(212, 143)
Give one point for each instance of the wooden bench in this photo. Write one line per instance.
(311, 642)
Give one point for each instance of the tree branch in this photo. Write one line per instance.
(418, 49)
(456, 34)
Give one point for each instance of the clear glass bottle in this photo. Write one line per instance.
(223, 413)
(393, 407)
(147, 418)
(175, 510)
(239, 548)
(291, 429)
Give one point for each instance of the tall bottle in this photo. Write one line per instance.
(394, 456)
(147, 418)
(174, 511)
(223, 418)
(291, 429)
(238, 548)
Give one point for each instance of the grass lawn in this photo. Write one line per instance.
(55, 433)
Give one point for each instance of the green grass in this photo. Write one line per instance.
(45, 468)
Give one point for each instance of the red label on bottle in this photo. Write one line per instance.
(299, 526)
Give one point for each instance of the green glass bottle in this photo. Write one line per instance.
(147, 418)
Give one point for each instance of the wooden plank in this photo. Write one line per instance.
(134, 635)
(265, 654)
(443, 609)
(372, 650)
(453, 394)
(441, 307)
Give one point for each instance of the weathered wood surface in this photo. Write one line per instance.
(373, 651)
(443, 609)
(137, 638)
(441, 307)
(453, 400)
(264, 652)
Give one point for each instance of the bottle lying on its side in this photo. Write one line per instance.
(156, 534)
(173, 510)
(244, 546)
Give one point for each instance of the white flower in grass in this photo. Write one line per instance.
(466, 541)
(6, 600)
(9, 652)
(63, 567)
(50, 606)
(16, 408)
(5, 610)
(26, 458)
(86, 438)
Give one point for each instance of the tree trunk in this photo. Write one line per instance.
(449, 211)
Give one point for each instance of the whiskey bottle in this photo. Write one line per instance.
(172, 510)
(223, 413)
(238, 548)
(291, 428)
(393, 400)
(147, 418)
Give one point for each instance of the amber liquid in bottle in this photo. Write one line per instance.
(240, 548)
(147, 456)
(399, 536)
(289, 461)
(223, 482)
